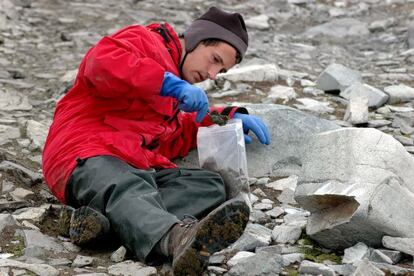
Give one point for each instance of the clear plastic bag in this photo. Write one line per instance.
(222, 149)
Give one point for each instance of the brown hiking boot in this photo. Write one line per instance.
(191, 243)
(87, 226)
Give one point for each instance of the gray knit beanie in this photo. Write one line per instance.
(218, 24)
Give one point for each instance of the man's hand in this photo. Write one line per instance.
(255, 124)
(191, 98)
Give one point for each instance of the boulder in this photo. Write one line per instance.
(358, 185)
(289, 129)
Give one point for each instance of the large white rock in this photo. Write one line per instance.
(376, 98)
(337, 77)
(289, 129)
(358, 185)
(256, 73)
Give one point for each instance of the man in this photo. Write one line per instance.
(132, 110)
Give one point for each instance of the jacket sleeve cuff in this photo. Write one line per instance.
(230, 110)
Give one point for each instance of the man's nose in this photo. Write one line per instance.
(212, 72)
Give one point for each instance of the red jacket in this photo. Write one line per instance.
(114, 107)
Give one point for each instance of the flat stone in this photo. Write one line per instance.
(400, 109)
(308, 267)
(37, 132)
(405, 245)
(339, 28)
(355, 253)
(12, 101)
(395, 256)
(338, 77)
(119, 255)
(399, 93)
(379, 257)
(281, 184)
(60, 262)
(345, 270)
(259, 192)
(286, 234)
(281, 92)
(8, 133)
(132, 268)
(256, 73)
(298, 219)
(81, 261)
(394, 269)
(238, 257)
(31, 213)
(357, 111)
(309, 104)
(280, 249)
(262, 181)
(378, 123)
(287, 197)
(257, 216)
(262, 206)
(365, 267)
(39, 269)
(406, 141)
(38, 244)
(23, 174)
(216, 270)
(289, 259)
(262, 263)
(381, 25)
(217, 258)
(20, 193)
(260, 22)
(275, 212)
(255, 235)
(6, 220)
(376, 98)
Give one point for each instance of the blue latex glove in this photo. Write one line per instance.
(255, 124)
(191, 98)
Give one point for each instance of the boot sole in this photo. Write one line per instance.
(87, 226)
(65, 215)
(218, 230)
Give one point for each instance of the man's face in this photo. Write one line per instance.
(205, 62)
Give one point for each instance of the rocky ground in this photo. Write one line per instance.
(292, 45)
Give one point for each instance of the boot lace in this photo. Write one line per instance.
(188, 221)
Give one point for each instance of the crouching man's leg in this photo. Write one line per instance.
(106, 188)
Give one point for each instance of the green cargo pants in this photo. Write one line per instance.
(142, 205)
